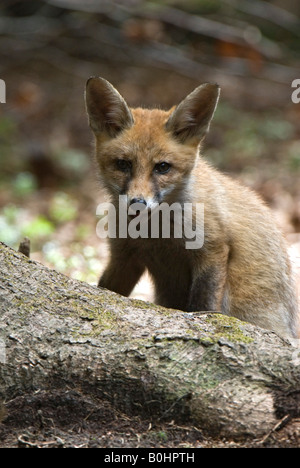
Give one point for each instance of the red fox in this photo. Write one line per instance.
(152, 156)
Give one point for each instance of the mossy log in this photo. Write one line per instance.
(226, 377)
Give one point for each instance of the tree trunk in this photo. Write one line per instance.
(226, 377)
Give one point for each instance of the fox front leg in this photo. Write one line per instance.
(208, 291)
(122, 273)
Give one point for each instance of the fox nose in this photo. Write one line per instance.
(137, 200)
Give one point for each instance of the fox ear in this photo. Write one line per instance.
(191, 119)
(107, 110)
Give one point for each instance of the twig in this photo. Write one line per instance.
(24, 247)
(283, 420)
(272, 13)
(176, 17)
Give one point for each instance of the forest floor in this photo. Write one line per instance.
(67, 419)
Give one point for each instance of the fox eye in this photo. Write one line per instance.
(123, 165)
(162, 168)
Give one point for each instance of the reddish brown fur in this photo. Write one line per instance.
(243, 268)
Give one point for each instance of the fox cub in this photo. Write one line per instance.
(152, 156)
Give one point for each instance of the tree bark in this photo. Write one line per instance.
(226, 377)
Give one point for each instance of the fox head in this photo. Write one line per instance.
(147, 155)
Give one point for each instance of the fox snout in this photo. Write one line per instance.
(136, 205)
(142, 202)
(132, 201)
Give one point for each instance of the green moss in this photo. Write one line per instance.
(228, 328)
(161, 436)
(190, 362)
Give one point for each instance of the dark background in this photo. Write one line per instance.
(154, 53)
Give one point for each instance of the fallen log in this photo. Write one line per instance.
(226, 377)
